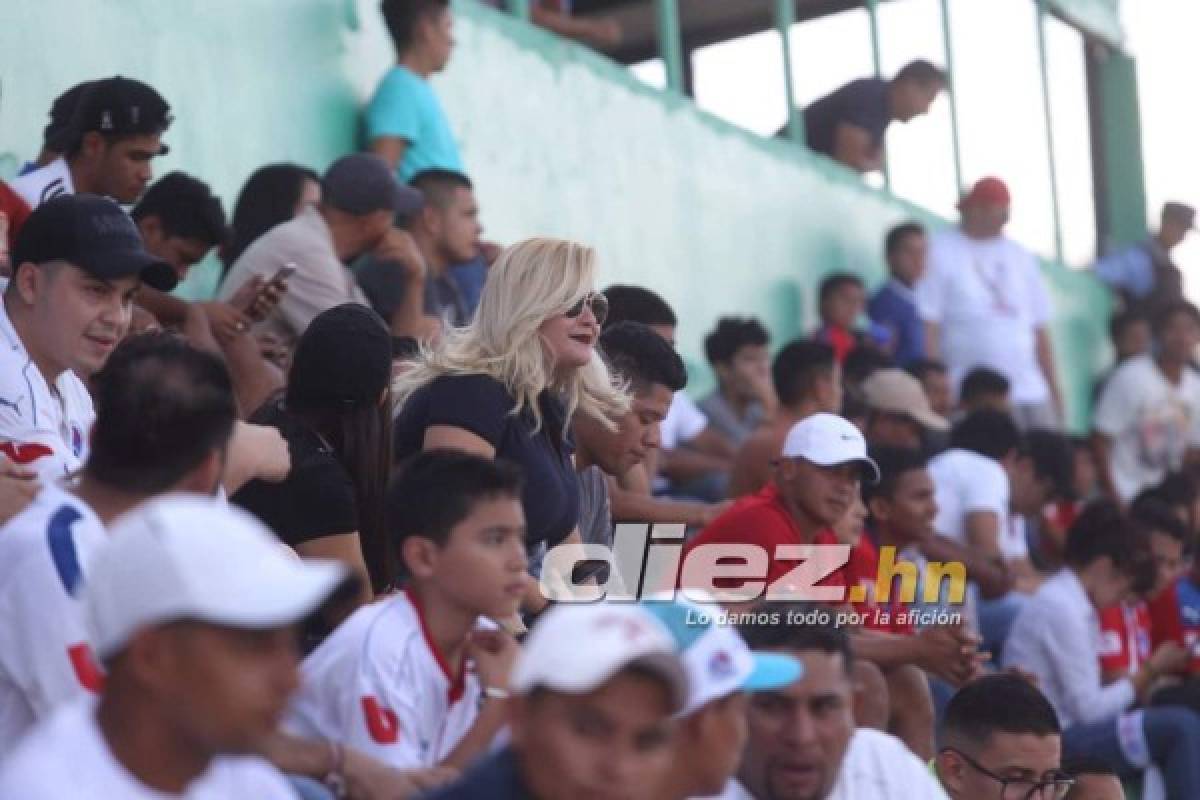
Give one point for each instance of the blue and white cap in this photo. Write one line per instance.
(715, 657)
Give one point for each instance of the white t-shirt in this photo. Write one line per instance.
(67, 756)
(378, 684)
(44, 183)
(684, 422)
(43, 428)
(989, 298)
(45, 659)
(877, 766)
(966, 482)
(1151, 422)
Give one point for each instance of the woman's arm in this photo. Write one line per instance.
(347, 548)
(450, 437)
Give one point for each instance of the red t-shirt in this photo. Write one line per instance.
(1125, 641)
(761, 519)
(15, 208)
(862, 572)
(1175, 617)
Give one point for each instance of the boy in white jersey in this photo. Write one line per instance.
(419, 680)
(193, 608)
(77, 265)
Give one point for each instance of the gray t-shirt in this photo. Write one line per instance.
(595, 523)
(724, 419)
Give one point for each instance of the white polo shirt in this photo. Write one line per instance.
(988, 298)
(42, 426)
(45, 659)
(67, 756)
(378, 684)
(44, 183)
(966, 482)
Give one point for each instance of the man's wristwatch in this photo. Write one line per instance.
(335, 779)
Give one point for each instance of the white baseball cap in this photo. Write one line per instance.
(828, 440)
(715, 656)
(185, 556)
(577, 648)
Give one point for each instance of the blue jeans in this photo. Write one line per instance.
(996, 619)
(1171, 738)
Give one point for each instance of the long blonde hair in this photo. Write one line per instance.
(530, 282)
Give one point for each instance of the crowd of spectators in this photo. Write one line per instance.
(299, 540)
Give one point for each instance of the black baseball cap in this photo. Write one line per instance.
(120, 106)
(93, 233)
(362, 183)
(59, 133)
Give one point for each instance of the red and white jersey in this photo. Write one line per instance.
(45, 659)
(1125, 640)
(44, 183)
(379, 684)
(44, 427)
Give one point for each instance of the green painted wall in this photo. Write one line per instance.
(558, 140)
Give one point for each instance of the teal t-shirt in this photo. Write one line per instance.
(406, 106)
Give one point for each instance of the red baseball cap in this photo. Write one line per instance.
(987, 191)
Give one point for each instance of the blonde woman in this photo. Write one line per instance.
(506, 385)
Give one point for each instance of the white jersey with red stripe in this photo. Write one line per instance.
(45, 659)
(379, 684)
(44, 183)
(42, 426)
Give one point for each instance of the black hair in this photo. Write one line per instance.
(1077, 765)
(862, 363)
(921, 368)
(637, 304)
(835, 281)
(896, 236)
(797, 368)
(162, 407)
(1102, 530)
(1171, 310)
(437, 489)
(58, 133)
(779, 630)
(1000, 703)
(437, 186)
(987, 432)
(1155, 515)
(983, 382)
(401, 18)
(893, 463)
(268, 198)
(731, 335)
(639, 355)
(1053, 458)
(1123, 321)
(922, 72)
(185, 207)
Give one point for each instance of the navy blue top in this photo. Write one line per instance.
(896, 311)
(481, 405)
(862, 103)
(494, 778)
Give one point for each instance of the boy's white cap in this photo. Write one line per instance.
(828, 440)
(716, 658)
(184, 556)
(577, 648)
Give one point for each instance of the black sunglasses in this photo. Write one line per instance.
(1054, 787)
(596, 301)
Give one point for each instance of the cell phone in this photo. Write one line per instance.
(285, 272)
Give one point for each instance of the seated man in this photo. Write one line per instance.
(192, 608)
(421, 678)
(594, 691)
(1056, 638)
(849, 123)
(983, 388)
(936, 383)
(894, 305)
(841, 300)
(898, 412)
(1000, 737)
(744, 397)
(807, 380)
(803, 743)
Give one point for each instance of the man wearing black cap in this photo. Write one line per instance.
(114, 131)
(360, 197)
(77, 264)
(1144, 276)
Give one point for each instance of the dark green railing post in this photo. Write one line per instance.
(877, 61)
(520, 9)
(670, 45)
(951, 96)
(1051, 161)
(785, 18)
